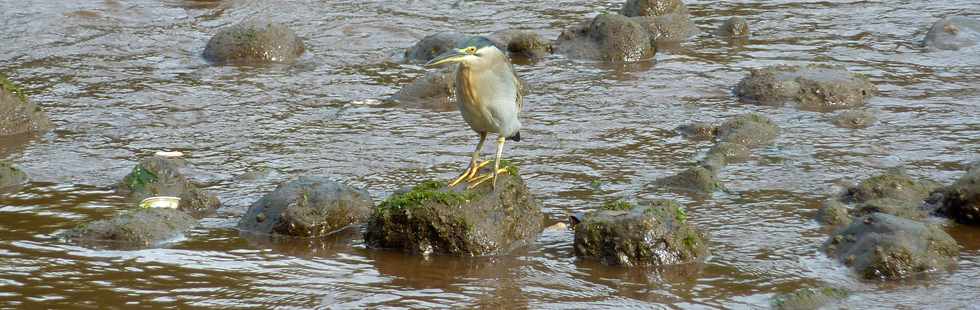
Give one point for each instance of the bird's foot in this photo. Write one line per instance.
(471, 173)
(489, 176)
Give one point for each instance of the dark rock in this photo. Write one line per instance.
(608, 37)
(883, 246)
(953, 33)
(697, 179)
(433, 219)
(431, 46)
(901, 208)
(254, 42)
(157, 176)
(666, 20)
(521, 44)
(854, 119)
(961, 200)
(894, 185)
(698, 131)
(813, 87)
(433, 91)
(657, 234)
(653, 7)
(834, 213)
(10, 176)
(135, 228)
(17, 114)
(808, 298)
(728, 153)
(734, 27)
(307, 207)
(751, 130)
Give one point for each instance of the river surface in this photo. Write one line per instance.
(123, 79)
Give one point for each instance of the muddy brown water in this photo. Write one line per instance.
(122, 79)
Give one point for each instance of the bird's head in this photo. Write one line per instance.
(467, 51)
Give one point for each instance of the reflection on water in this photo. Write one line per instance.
(124, 79)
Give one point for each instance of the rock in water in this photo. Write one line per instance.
(854, 119)
(665, 20)
(435, 91)
(254, 42)
(608, 37)
(813, 87)
(521, 44)
(961, 200)
(653, 235)
(751, 130)
(10, 176)
(883, 246)
(431, 46)
(433, 219)
(307, 207)
(135, 228)
(808, 298)
(697, 179)
(953, 33)
(157, 176)
(893, 185)
(17, 114)
(734, 27)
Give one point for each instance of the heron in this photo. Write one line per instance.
(490, 97)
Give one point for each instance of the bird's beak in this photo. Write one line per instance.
(451, 56)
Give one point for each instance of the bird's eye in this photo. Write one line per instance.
(471, 50)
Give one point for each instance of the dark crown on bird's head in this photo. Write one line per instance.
(474, 41)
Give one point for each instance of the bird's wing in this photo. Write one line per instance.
(519, 85)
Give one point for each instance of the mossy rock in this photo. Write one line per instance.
(653, 7)
(900, 208)
(961, 200)
(733, 27)
(697, 179)
(521, 45)
(812, 87)
(808, 298)
(17, 114)
(886, 247)
(307, 207)
(698, 131)
(651, 235)
(854, 119)
(751, 130)
(834, 213)
(434, 219)
(135, 228)
(254, 42)
(432, 91)
(608, 37)
(157, 176)
(10, 176)
(431, 46)
(728, 152)
(893, 185)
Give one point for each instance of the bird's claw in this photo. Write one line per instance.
(483, 178)
(471, 173)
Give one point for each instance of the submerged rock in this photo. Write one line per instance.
(434, 219)
(953, 33)
(961, 200)
(653, 7)
(521, 44)
(813, 87)
(254, 42)
(657, 234)
(608, 37)
(698, 131)
(17, 114)
(697, 179)
(751, 130)
(10, 176)
(808, 298)
(307, 207)
(901, 208)
(854, 119)
(883, 246)
(434, 90)
(666, 20)
(733, 27)
(893, 185)
(157, 176)
(431, 46)
(135, 228)
(728, 153)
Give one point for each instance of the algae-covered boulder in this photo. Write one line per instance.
(134, 228)
(883, 246)
(953, 33)
(432, 91)
(834, 213)
(307, 207)
(893, 184)
(431, 46)
(434, 219)
(521, 44)
(254, 42)
(156, 176)
(17, 114)
(812, 87)
(698, 131)
(698, 179)
(854, 119)
(808, 298)
(653, 7)
(652, 235)
(665, 20)
(961, 200)
(751, 130)
(10, 176)
(728, 153)
(733, 27)
(907, 209)
(608, 37)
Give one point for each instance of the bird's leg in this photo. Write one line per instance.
(475, 165)
(496, 167)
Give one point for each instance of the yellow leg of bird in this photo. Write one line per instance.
(496, 167)
(475, 166)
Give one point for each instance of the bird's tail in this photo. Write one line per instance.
(516, 137)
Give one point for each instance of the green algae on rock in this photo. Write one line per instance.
(813, 87)
(157, 176)
(10, 176)
(808, 298)
(17, 114)
(254, 42)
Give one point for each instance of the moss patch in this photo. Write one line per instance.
(12, 88)
(139, 178)
(808, 298)
(428, 191)
(617, 205)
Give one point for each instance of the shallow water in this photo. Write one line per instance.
(124, 79)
